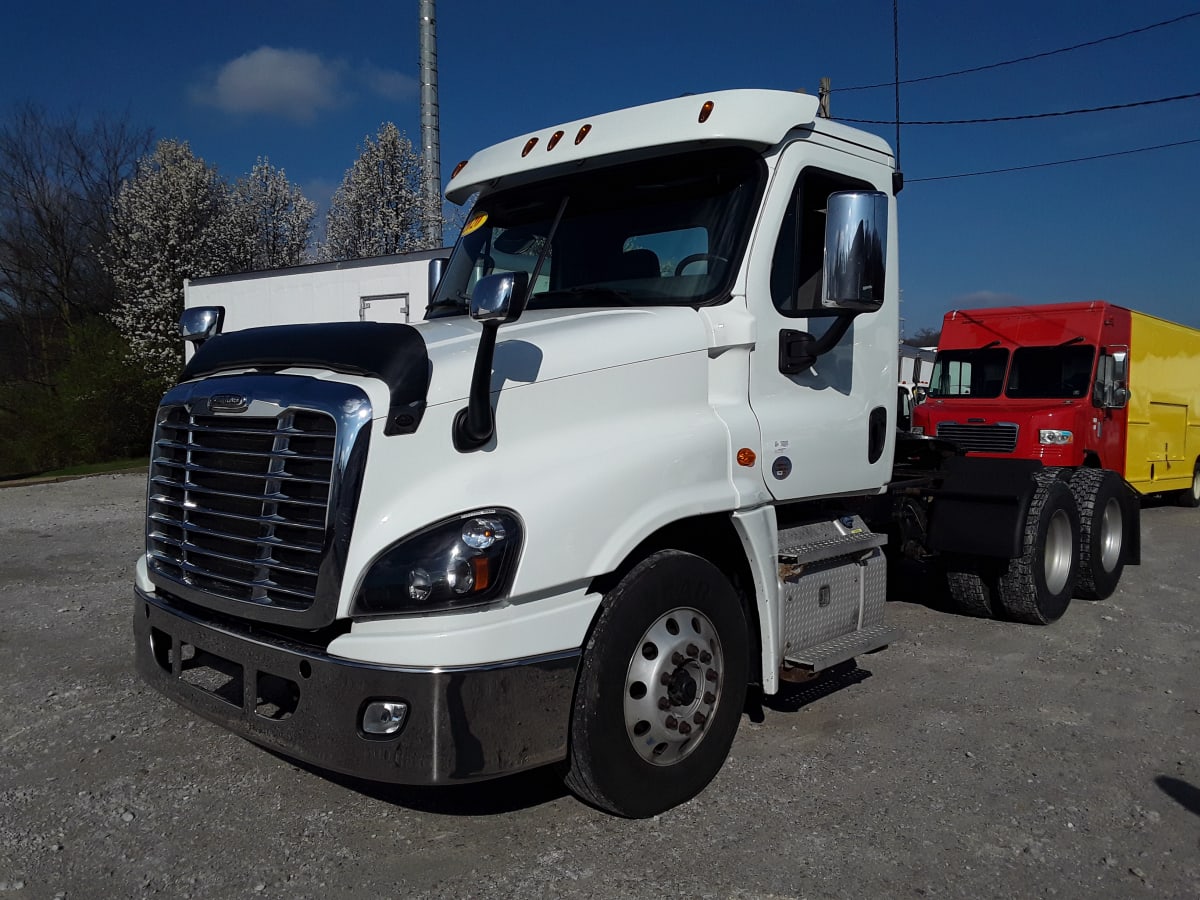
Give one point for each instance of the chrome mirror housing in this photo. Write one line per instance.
(855, 251)
(499, 298)
(198, 324)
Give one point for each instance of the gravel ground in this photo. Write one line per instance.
(974, 759)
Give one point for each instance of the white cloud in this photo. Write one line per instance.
(388, 83)
(296, 84)
(292, 84)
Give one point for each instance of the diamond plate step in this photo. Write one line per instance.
(826, 540)
(840, 649)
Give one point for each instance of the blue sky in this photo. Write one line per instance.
(302, 83)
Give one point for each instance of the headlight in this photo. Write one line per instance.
(466, 561)
(917, 429)
(1055, 436)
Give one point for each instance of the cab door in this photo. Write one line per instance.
(829, 429)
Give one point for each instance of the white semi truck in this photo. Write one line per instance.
(652, 415)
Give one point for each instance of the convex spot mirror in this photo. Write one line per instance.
(856, 225)
(499, 298)
(199, 323)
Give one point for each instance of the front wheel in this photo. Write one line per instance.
(1036, 587)
(661, 687)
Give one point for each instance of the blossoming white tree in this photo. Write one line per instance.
(174, 219)
(277, 219)
(379, 208)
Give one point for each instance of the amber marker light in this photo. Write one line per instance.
(705, 111)
(746, 457)
(483, 575)
(554, 139)
(583, 132)
(462, 165)
(529, 145)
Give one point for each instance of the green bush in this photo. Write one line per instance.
(96, 408)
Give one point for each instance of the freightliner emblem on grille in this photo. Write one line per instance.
(228, 403)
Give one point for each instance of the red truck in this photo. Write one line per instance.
(1095, 391)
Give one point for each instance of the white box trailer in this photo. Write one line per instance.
(380, 289)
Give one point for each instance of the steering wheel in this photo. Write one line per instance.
(698, 257)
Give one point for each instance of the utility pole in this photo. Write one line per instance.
(431, 151)
(823, 97)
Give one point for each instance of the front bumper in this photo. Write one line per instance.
(463, 724)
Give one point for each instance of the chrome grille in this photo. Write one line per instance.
(238, 505)
(998, 438)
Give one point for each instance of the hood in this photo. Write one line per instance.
(557, 343)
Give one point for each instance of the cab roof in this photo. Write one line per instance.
(757, 118)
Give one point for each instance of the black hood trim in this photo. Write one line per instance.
(393, 353)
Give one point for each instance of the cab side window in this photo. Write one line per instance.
(800, 248)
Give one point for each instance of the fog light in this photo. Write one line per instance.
(384, 716)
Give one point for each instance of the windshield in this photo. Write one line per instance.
(662, 231)
(968, 373)
(1051, 372)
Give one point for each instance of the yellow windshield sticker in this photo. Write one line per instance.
(475, 224)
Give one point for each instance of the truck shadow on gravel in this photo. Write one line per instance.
(494, 797)
(1185, 794)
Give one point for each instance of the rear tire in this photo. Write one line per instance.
(972, 586)
(661, 687)
(1191, 497)
(1036, 587)
(1100, 496)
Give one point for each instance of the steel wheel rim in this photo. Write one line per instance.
(1196, 485)
(1112, 534)
(1060, 548)
(673, 685)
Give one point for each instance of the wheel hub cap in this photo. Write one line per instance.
(673, 685)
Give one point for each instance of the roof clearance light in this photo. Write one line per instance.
(705, 111)
(462, 165)
(529, 145)
(583, 132)
(746, 457)
(554, 139)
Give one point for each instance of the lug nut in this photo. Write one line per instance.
(677, 659)
(699, 718)
(664, 704)
(685, 728)
(706, 657)
(672, 722)
(693, 651)
(711, 674)
(710, 698)
(664, 679)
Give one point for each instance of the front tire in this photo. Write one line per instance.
(1036, 587)
(1099, 494)
(661, 687)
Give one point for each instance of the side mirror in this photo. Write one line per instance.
(1119, 398)
(437, 268)
(499, 298)
(855, 251)
(198, 324)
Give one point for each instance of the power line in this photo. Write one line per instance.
(1046, 115)
(1061, 162)
(1010, 62)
